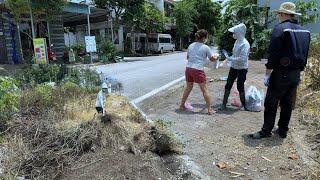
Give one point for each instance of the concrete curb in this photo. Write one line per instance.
(192, 167)
(195, 170)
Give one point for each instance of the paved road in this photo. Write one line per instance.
(144, 74)
(141, 75)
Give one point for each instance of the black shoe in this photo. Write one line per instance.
(259, 135)
(243, 101)
(281, 133)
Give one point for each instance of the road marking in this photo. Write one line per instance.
(156, 91)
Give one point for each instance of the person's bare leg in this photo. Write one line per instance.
(207, 98)
(186, 94)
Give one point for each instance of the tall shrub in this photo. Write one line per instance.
(9, 99)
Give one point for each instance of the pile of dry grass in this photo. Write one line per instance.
(312, 72)
(309, 102)
(41, 147)
(309, 94)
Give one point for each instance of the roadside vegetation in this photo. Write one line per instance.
(309, 103)
(48, 123)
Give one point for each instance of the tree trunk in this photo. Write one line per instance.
(31, 18)
(181, 43)
(20, 43)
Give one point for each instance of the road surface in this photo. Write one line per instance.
(142, 75)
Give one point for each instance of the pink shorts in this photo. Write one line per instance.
(195, 75)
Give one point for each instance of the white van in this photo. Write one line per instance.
(160, 43)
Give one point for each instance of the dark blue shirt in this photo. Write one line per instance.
(289, 46)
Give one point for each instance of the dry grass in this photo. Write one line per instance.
(41, 146)
(309, 92)
(309, 103)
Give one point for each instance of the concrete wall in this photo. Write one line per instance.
(275, 4)
(81, 32)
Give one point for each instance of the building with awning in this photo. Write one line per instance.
(75, 14)
(100, 26)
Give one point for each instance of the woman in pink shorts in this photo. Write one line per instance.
(197, 56)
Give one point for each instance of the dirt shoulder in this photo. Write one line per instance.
(223, 136)
(118, 165)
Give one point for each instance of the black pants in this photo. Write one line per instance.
(241, 74)
(281, 90)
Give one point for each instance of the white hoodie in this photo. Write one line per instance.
(241, 48)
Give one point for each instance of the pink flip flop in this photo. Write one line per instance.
(188, 106)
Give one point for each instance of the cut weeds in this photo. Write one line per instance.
(51, 135)
(308, 107)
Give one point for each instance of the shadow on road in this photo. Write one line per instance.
(229, 111)
(266, 142)
(190, 112)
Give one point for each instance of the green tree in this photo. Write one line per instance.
(208, 15)
(257, 22)
(39, 8)
(184, 11)
(247, 12)
(309, 10)
(124, 10)
(150, 19)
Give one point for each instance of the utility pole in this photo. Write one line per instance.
(89, 28)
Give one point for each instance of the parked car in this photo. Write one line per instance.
(160, 43)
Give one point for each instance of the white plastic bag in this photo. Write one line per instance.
(212, 65)
(217, 64)
(254, 99)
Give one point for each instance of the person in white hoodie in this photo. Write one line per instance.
(101, 98)
(239, 64)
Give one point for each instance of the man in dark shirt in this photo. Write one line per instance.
(288, 53)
